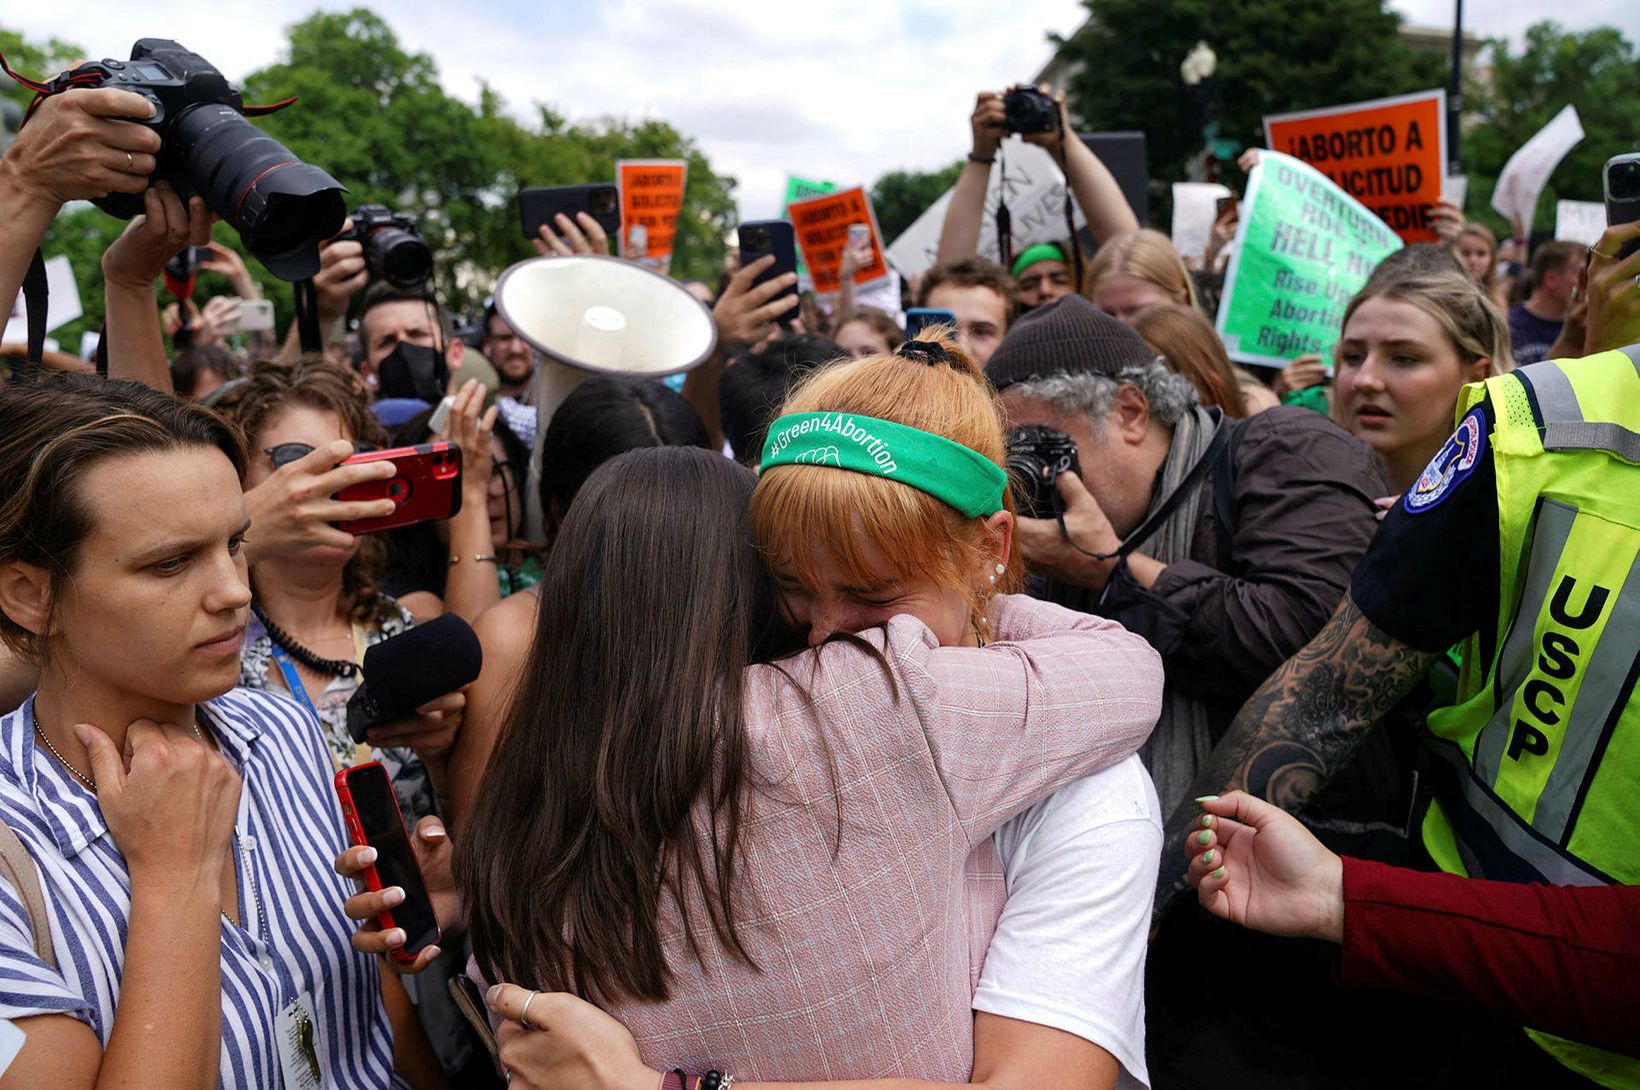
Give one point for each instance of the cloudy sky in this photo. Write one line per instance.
(843, 89)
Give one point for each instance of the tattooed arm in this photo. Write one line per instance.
(1302, 725)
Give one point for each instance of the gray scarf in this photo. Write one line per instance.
(1180, 743)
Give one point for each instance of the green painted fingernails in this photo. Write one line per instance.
(1207, 858)
(1203, 837)
(1205, 821)
(1218, 873)
(1205, 798)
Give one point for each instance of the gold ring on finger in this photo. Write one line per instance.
(130, 162)
(1596, 252)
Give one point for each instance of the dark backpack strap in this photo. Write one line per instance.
(17, 866)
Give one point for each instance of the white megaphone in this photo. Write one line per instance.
(589, 315)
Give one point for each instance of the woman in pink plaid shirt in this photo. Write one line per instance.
(804, 916)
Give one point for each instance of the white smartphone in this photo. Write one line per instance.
(441, 415)
(255, 316)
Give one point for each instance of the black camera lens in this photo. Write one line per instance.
(602, 201)
(756, 239)
(399, 257)
(282, 207)
(1027, 110)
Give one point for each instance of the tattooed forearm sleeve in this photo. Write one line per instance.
(1305, 722)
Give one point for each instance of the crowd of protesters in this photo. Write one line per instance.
(786, 766)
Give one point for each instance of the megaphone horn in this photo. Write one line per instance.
(591, 314)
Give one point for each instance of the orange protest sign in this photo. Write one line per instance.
(1389, 154)
(651, 198)
(821, 225)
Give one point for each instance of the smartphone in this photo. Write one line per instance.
(760, 237)
(428, 486)
(470, 1002)
(1223, 205)
(543, 204)
(859, 234)
(918, 319)
(1622, 175)
(255, 316)
(373, 819)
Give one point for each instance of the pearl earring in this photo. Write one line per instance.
(1001, 568)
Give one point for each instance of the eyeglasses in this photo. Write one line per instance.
(286, 453)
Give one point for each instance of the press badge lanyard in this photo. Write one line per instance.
(293, 681)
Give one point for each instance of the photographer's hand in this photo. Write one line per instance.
(1066, 554)
(73, 148)
(227, 262)
(581, 1046)
(130, 267)
(959, 234)
(342, 274)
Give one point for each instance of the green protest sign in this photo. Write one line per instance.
(1303, 248)
(801, 189)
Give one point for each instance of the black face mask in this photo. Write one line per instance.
(412, 370)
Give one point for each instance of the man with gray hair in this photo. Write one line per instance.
(1224, 543)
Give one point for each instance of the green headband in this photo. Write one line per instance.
(948, 471)
(1042, 251)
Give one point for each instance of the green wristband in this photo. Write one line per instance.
(950, 472)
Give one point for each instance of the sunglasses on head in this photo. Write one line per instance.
(286, 453)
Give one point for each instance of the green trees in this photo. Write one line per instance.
(900, 196)
(1598, 71)
(374, 115)
(1273, 56)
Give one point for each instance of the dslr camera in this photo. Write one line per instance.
(1036, 456)
(281, 206)
(1028, 110)
(393, 251)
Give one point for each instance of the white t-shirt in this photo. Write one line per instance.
(1069, 950)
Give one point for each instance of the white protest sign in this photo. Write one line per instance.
(62, 301)
(1580, 221)
(1036, 210)
(1455, 189)
(1195, 207)
(1527, 171)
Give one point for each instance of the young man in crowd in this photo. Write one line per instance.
(400, 334)
(512, 357)
(982, 296)
(1535, 324)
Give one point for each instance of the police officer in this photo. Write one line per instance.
(1521, 540)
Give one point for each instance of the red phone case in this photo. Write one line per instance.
(427, 486)
(355, 833)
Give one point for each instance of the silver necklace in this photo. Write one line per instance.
(76, 773)
(241, 848)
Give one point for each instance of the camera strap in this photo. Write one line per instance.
(35, 293)
(307, 316)
(1005, 219)
(1216, 448)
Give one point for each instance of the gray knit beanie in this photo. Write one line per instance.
(1068, 336)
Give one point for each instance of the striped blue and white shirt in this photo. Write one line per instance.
(290, 833)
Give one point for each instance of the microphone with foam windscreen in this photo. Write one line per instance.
(408, 670)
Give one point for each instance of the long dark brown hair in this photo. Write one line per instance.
(628, 716)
